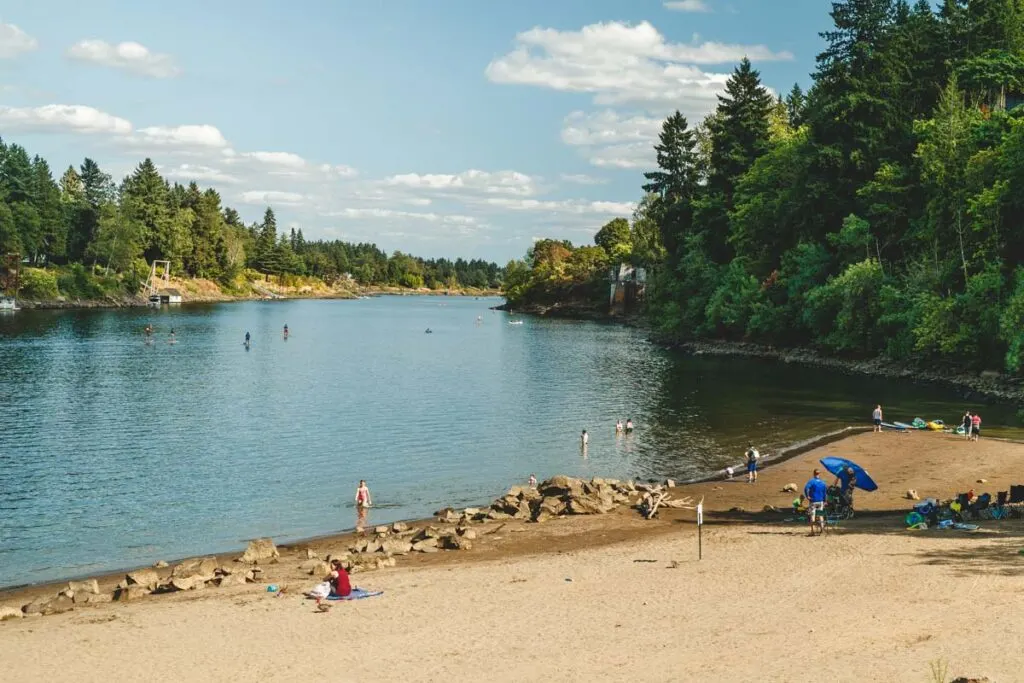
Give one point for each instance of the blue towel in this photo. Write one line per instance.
(356, 594)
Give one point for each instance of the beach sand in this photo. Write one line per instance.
(597, 598)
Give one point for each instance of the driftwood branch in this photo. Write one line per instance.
(659, 497)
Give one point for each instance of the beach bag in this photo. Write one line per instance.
(321, 590)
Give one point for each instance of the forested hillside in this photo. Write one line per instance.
(879, 213)
(92, 236)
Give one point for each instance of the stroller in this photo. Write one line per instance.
(838, 504)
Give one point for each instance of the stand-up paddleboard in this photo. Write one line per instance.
(889, 425)
(904, 425)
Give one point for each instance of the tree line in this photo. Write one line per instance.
(879, 213)
(109, 231)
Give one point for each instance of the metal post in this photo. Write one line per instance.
(700, 524)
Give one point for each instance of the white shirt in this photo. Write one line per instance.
(585, 438)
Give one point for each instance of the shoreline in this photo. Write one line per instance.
(770, 463)
(785, 453)
(577, 565)
(125, 302)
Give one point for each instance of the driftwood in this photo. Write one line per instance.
(659, 497)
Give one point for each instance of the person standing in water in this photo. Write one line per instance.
(618, 427)
(247, 337)
(363, 503)
(172, 340)
(876, 416)
(286, 330)
(584, 439)
(629, 425)
(533, 481)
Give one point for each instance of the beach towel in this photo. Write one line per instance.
(356, 594)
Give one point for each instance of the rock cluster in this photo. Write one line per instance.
(387, 542)
(561, 495)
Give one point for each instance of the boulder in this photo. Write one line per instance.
(911, 494)
(317, 568)
(524, 511)
(182, 583)
(494, 514)
(146, 578)
(92, 598)
(454, 542)
(160, 564)
(561, 485)
(312, 554)
(530, 493)
(789, 488)
(471, 512)
(467, 533)
(232, 580)
(34, 608)
(359, 546)
(381, 530)
(57, 605)
(8, 612)
(205, 567)
(427, 545)
(395, 546)
(399, 527)
(258, 550)
(515, 491)
(586, 505)
(89, 586)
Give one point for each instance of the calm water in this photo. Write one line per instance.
(116, 453)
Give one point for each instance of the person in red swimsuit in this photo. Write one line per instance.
(338, 578)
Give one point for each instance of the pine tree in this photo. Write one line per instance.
(795, 102)
(675, 183)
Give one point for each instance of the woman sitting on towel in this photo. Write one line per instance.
(338, 578)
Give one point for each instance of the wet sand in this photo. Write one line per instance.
(580, 599)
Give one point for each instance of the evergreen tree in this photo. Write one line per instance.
(675, 183)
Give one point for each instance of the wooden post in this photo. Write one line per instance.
(700, 524)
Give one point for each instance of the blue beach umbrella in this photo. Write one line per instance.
(837, 466)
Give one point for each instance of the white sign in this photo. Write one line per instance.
(700, 514)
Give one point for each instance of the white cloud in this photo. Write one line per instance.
(199, 173)
(181, 137)
(454, 219)
(582, 179)
(339, 171)
(611, 139)
(14, 41)
(285, 159)
(498, 182)
(129, 56)
(621, 63)
(688, 6)
(63, 118)
(632, 155)
(263, 197)
(564, 206)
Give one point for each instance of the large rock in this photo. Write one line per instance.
(317, 568)
(789, 488)
(467, 533)
(89, 586)
(586, 505)
(232, 580)
(57, 605)
(131, 592)
(92, 598)
(205, 567)
(399, 527)
(426, 545)
(182, 583)
(258, 550)
(395, 546)
(8, 612)
(455, 542)
(146, 578)
(561, 485)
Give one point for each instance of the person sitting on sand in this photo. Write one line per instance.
(752, 456)
(847, 482)
(800, 505)
(341, 586)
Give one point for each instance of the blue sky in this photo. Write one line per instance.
(457, 127)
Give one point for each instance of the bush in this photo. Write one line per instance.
(38, 284)
(76, 283)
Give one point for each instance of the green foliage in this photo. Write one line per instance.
(38, 284)
(615, 239)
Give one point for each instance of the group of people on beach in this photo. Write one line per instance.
(971, 425)
(815, 495)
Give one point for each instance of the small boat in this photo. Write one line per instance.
(515, 322)
(936, 425)
(9, 303)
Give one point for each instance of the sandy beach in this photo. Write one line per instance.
(613, 596)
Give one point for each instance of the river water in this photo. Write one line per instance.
(117, 453)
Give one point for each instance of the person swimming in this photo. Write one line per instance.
(618, 427)
(629, 425)
(172, 340)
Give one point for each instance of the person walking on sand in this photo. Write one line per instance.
(752, 456)
(968, 423)
(975, 427)
(815, 492)
(876, 415)
(363, 503)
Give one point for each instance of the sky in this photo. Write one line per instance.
(458, 128)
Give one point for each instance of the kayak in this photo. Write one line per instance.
(936, 425)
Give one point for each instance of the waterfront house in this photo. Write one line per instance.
(628, 286)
